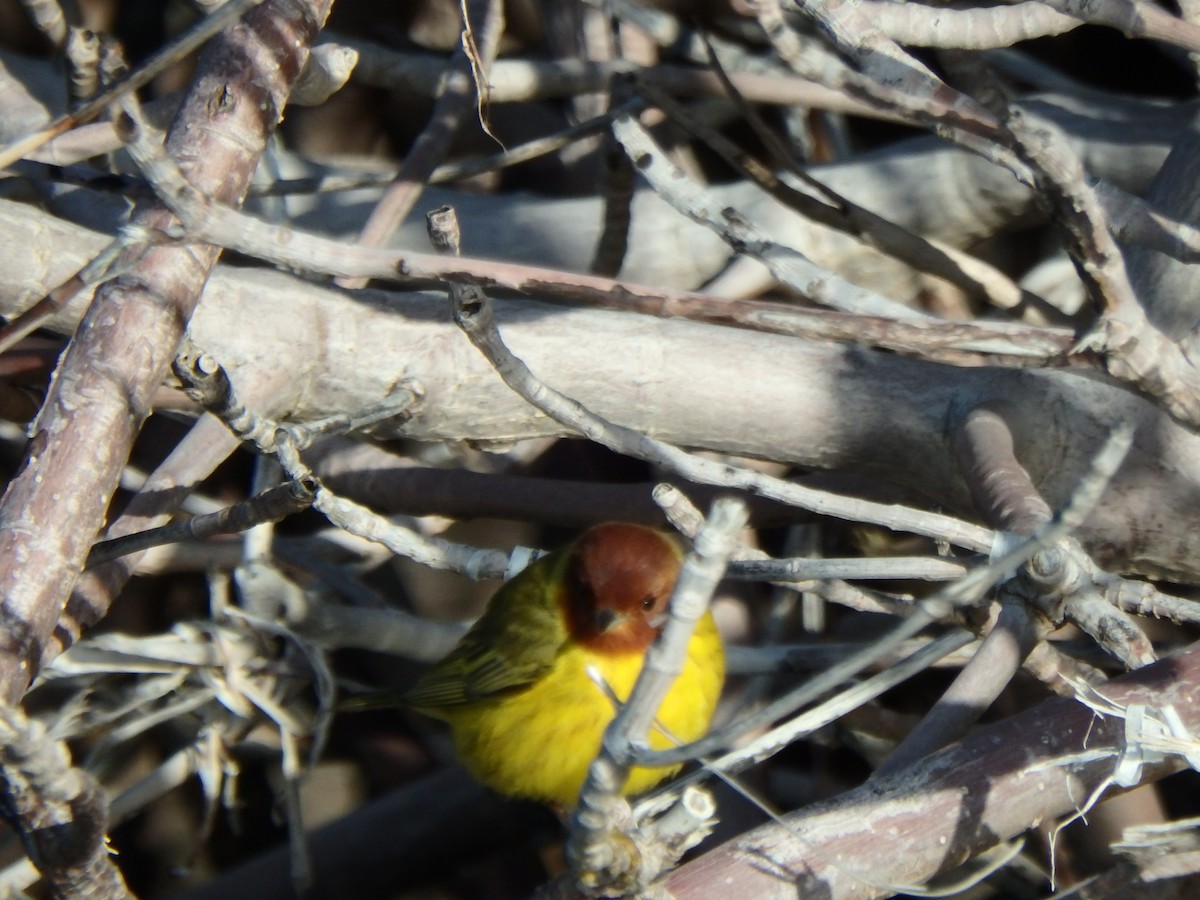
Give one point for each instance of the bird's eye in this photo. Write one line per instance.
(648, 602)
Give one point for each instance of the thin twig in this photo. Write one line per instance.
(83, 58)
(104, 385)
(271, 506)
(837, 211)
(295, 249)
(206, 445)
(887, 77)
(48, 16)
(603, 854)
(101, 268)
(965, 591)
(464, 89)
(766, 745)
(474, 315)
(1134, 349)
(973, 690)
(786, 263)
(210, 385)
(803, 569)
(687, 520)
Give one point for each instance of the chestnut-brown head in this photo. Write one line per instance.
(619, 578)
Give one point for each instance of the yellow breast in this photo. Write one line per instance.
(538, 742)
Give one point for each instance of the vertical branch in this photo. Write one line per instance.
(83, 59)
(618, 187)
(1134, 349)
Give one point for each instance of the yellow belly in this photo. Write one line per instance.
(538, 743)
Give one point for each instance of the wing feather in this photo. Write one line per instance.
(513, 644)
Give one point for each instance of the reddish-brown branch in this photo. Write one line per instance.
(991, 787)
(103, 389)
(207, 445)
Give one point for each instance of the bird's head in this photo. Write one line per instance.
(619, 578)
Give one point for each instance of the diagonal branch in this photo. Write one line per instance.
(993, 786)
(103, 388)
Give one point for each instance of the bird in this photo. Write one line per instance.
(529, 690)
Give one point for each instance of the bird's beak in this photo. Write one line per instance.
(605, 619)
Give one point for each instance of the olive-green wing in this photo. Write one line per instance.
(512, 645)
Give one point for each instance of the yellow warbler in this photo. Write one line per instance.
(528, 690)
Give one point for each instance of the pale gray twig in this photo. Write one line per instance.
(821, 651)
(474, 315)
(805, 569)
(1144, 599)
(1134, 349)
(390, 631)
(104, 383)
(210, 385)
(766, 745)
(822, 204)
(604, 851)
(47, 16)
(887, 77)
(83, 57)
(296, 249)
(102, 267)
(523, 80)
(985, 27)
(787, 264)
(973, 690)
(687, 519)
(966, 590)
(326, 72)
(1133, 18)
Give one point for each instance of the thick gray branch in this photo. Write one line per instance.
(828, 406)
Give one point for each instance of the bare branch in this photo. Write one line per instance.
(988, 788)
(1134, 349)
(609, 856)
(102, 390)
(59, 811)
(463, 89)
(185, 44)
